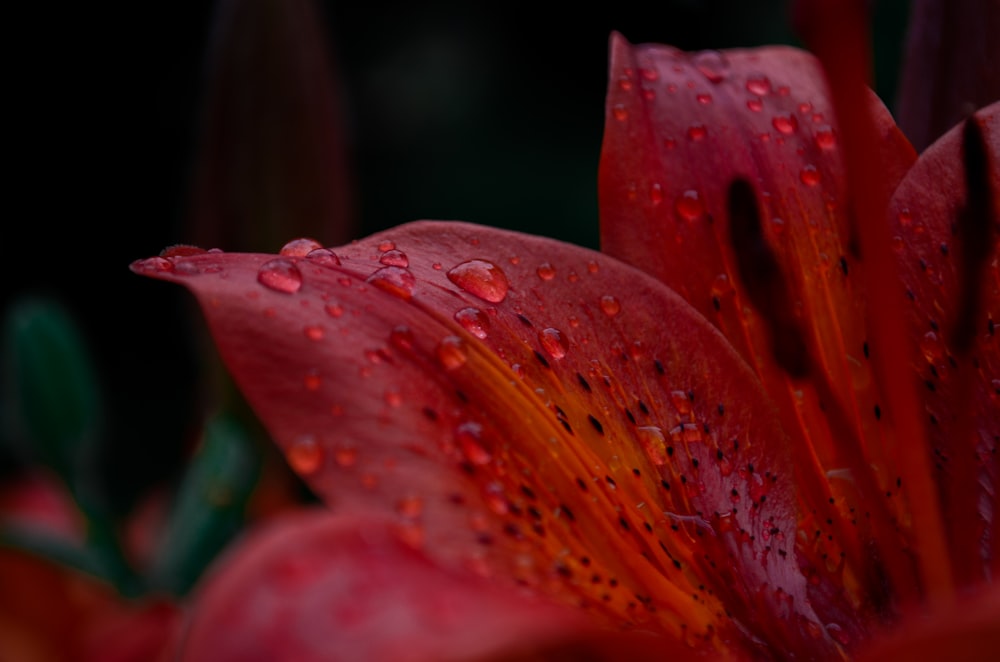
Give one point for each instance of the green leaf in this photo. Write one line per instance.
(209, 506)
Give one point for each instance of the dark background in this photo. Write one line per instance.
(485, 112)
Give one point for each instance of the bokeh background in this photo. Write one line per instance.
(485, 112)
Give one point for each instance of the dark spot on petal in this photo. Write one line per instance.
(596, 423)
(541, 359)
(524, 320)
(583, 382)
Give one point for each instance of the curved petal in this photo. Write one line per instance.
(315, 586)
(530, 410)
(945, 217)
(721, 175)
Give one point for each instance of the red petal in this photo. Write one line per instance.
(948, 253)
(528, 409)
(315, 586)
(680, 123)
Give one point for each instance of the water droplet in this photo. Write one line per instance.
(314, 333)
(401, 337)
(280, 275)
(468, 437)
(688, 205)
(593, 267)
(386, 246)
(451, 353)
(697, 132)
(182, 250)
(546, 271)
(553, 342)
(905, 217)
(324, 256)
(394, 258)
(156, 264)
(649, 74)
(721, 286)
(305, 455)
(397, 281)
(410, 506)
(809, 175)
(495, 499)
(619, 112)
(393, 398)
(482, 279)
(825, 138)
(653, 441)
(755, 104)
(312, 381)
(334, 309)
(681, 402)
(713, 65)
(625, 83)
(703, 99)
(655, 193)
(786, 124)
(299, 247)
(932, 347)
(759, 85)
(474, 321)
(610, 305)
(345, 456)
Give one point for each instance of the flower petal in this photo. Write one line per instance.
(315, 586)
(721, 175)
(529, 410)
(945, 216)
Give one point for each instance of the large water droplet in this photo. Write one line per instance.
(299, 247)
(280, 275)
(397, 281)
(713, 65)
(305, 455)
(394, 258)
(553, 342)
(689, 206)
(482, 279)
(474, 321)
(546, 271)
(468, 437)
(759, 85)
(451, 353)
(825, 138)
(324, 256)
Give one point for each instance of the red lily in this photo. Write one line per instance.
(510, 424)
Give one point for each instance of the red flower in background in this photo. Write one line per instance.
(772, 434)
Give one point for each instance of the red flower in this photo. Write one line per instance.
(761, 444)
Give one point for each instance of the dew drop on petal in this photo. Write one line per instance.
(610, 305)
(280, 275)
(474, 321)
(825, 138)
(931, 347)
(553, 342)
(323, 256)
(786, 124)
(305, 455)
(655, 193)
(619, 112)
(451, 353)
(398, 281)
(410, 506)
(688, 205)
(625, 83)
(755, 104)
(345, 456)
(905, 217)
(156, 264)
(681, 402)
(401, 337)
(809, 175)
(653, 441)
(334, 309)
(482, 279)
(495, 499)
(312, 381)
(759, 85)
(182, 250)
(703, 99)
(546, 271)
(697, 132)
(394, 258)
(393, 398)
(314, 333)
(386, 246)
(299, 247)
(713, 65)
(468, 437)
